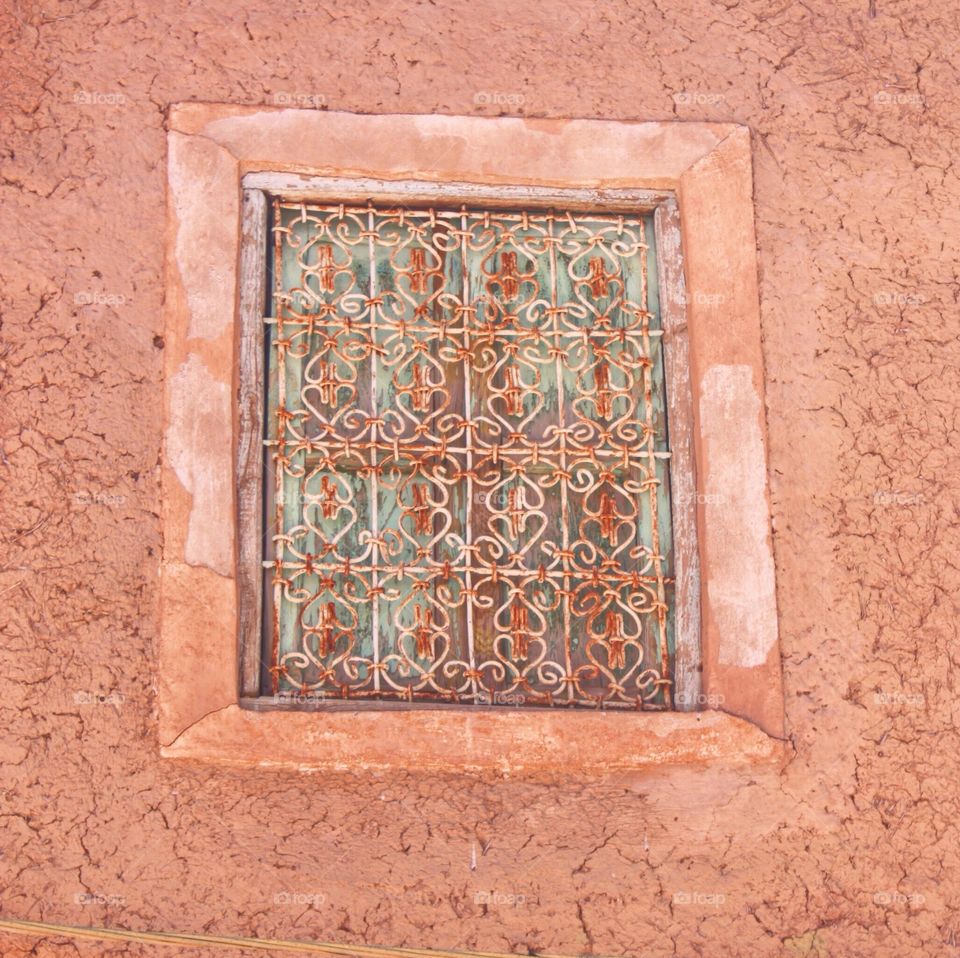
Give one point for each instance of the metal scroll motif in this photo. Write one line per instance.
(466, 422)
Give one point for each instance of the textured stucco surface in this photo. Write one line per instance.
(851, 849)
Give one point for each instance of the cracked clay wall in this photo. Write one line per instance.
(849, 849)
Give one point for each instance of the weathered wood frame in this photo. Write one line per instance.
(210, 453)
(258, 189)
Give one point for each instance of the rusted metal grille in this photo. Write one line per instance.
(466, 422)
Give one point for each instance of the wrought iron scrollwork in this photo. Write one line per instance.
(467, 430)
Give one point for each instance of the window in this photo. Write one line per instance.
(467, 463)
(227, 168)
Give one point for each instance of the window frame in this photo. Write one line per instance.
(708, 166)
(259, 189)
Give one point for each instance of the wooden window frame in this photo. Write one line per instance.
(696, 180)
(258, 190)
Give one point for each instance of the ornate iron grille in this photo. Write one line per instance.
(466, 421)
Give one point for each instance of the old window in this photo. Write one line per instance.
(228, 167)
(466, 472)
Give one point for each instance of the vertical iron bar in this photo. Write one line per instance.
(564, 493)
(468, 445)
(374, 474)
(652, 464)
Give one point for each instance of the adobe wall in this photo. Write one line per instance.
(850, 849)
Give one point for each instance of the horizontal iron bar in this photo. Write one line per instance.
(578, 575)
(339, 445)
(479, 332)
(334, 703)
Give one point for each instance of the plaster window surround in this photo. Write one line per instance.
(697, 179)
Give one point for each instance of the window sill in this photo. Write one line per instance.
(501, 740)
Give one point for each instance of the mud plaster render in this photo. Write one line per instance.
(709, 168)
(849, 850)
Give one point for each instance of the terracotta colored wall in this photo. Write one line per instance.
(851, 849)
